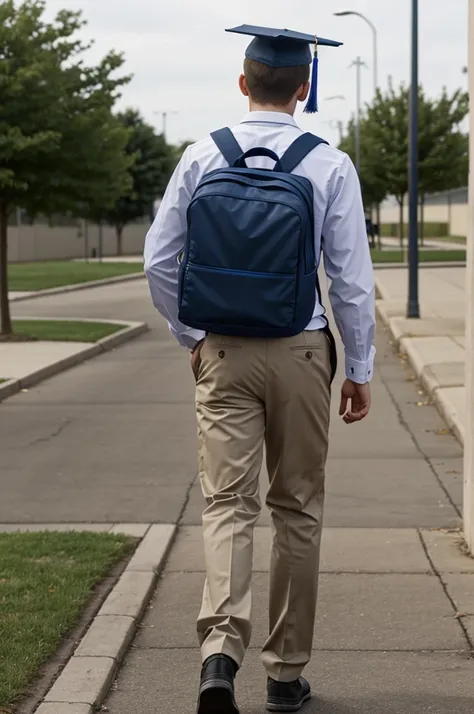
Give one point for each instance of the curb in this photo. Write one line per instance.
(130, 331)
(449, 414)
(86, 679)
(438, 394)
(79, 286)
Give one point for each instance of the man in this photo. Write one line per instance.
(256, 390)
(370, 228)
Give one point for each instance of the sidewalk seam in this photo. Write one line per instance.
(446, 591)
(405, 426)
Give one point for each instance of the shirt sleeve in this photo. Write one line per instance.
(348, 266)
(163, 245)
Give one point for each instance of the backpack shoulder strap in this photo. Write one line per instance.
(227, 145)
(300, 148)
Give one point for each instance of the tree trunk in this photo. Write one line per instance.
(422, 219)
(119, 232)
(400, 228)
(101, 241)
(6, 323)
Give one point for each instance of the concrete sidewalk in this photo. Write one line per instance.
(435, 343)
(393, 635)
(26, 363)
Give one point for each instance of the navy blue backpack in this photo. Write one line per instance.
(249, 266)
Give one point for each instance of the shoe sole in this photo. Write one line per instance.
(216, 698)
(280, 707)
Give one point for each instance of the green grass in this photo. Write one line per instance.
(425, 256)
(46, 579)
(64, 330)
(39, 276)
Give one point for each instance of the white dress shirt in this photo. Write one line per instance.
(340, 234)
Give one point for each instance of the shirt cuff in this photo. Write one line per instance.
(190, 338)
(360, 372)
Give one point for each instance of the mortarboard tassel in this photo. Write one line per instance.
(312, 103)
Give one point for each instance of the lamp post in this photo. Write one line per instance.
(413, 308)
(346, 13)
(469, 432)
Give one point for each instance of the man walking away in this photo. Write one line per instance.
(232, 261)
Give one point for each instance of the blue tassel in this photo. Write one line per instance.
(312, 104)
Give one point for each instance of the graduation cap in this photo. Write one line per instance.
(286, 48)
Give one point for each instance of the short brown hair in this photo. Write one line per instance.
(273, 85)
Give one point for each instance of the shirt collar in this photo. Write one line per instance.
(269, 118)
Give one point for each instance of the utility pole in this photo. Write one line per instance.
(335, 123)
(358, 64)
(413, 307)
(164, 121)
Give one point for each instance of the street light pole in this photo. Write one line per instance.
(468, 500)
(347, 13)
(413, 308)
(358, 64)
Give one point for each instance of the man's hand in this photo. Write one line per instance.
(196, 359)
(359, 397)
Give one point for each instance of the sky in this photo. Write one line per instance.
(186, 65)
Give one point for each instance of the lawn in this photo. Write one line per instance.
(425, 256)
(64, 330)
(46, 579)
(39, 276)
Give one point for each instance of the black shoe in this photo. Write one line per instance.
(216, 694)
(287, 696)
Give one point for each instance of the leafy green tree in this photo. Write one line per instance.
(442, 147)
(60, 146)
(153, 161)
(387, 148)
(372, 177)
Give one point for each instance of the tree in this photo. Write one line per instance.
(60, 145)
(372, 179)
(442, 147)
(387, 148)
(153, 162)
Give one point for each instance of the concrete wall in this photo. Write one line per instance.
(455, 216)
(40, 242)
(459, 220)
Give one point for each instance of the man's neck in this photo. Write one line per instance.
(287, 109)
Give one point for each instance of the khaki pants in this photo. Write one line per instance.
(251, 392)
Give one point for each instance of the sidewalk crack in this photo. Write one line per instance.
(52, 435)
(425, 458)
(446, 592)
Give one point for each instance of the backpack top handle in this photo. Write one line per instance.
(258, 151)
(233, 154)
